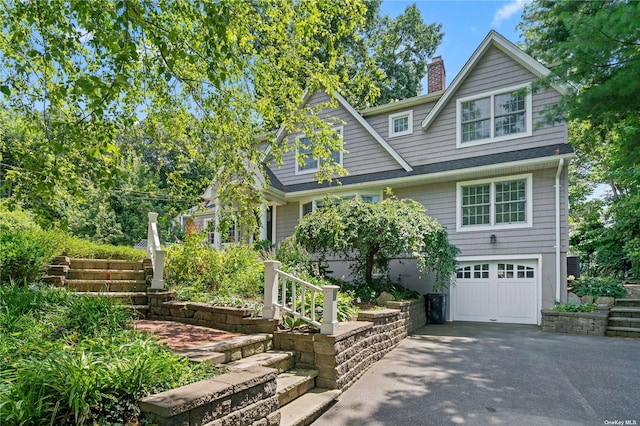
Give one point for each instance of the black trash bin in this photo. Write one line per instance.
(436, 307)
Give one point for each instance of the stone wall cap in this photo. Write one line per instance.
(594, 314)
(377, 313)
(402, 303)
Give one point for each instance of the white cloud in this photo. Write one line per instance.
(507, 11)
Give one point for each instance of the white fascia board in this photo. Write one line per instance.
(425, 178)
(373, 133)
(510, 49)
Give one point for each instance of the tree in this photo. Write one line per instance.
(75, 75)
(592, 50)
(371, 234)
(388, 59)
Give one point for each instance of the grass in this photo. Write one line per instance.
(67, 359)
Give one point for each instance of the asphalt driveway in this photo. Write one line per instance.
(496, 374)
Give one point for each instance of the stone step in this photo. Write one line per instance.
(234, 348)
(294, 383)
(105, 264)
(304, 410)
(633, 290)
(623, 322)
(628, 303)
(129, 297)
(280, 360)
(105, 274)
(623, 332)
(617, 311)
(106, 285)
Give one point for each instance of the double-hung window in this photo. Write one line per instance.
(319, 203)
(311, 164)
(495, 116)
(494, 203)
(401, 124)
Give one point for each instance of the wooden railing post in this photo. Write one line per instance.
(329, 310)
(270, 310)
(155, 252)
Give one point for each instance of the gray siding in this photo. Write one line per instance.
(440, 202)
(365, 154)
(438, 143)
(287, 217)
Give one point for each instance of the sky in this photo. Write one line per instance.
(465, 23)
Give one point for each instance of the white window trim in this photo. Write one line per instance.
(492, 208)
(315, 200)
(492, 138)
(409, 115)
(338, 129)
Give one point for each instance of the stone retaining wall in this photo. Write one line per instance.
(244, 397)
(411, 311)
(342, 358)
(590, 323)
(162, 306)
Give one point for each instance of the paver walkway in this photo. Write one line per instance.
(180, 336)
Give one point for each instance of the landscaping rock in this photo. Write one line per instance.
(384, 298)
(603, 300)
(573, 298)
(587, 299)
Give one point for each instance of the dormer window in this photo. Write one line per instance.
(495, 116)
(401, 124)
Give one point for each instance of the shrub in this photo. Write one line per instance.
(596, 287)
(67, 359)
(26, 249)
(196, 270)
(574, 307)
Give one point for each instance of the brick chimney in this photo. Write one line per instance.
(436, 76)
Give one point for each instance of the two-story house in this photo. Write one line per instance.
(480, 158)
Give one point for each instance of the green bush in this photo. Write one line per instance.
(196, 270)
(574, 307)
(67, 359)
(596, 287)
(26, 249)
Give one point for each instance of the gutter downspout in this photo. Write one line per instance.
(558, 258)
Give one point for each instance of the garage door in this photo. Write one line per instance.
(496, 292)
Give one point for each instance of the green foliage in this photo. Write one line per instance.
(591, 48)
(26, 249)
(68, 359)
(207, 78)
(370, 235)
(387, 60)
(293, 256)
(574, 307)
(196, 270)
(597, 286)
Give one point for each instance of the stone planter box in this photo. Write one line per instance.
(162, 306)
(585, 323)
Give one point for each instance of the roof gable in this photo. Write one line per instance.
(496, 40)
(360, 120)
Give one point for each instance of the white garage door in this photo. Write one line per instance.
(502, 291)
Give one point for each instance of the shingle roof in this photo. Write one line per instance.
(427, 169)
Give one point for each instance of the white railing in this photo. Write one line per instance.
(282, 295)
(155, 252)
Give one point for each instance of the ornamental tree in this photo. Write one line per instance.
(371, 234)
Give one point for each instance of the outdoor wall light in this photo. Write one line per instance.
(492, 239)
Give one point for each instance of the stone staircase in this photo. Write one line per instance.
(624, 319)
(119, 279)
(299, 400)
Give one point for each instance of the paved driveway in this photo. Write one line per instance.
(496, 374)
